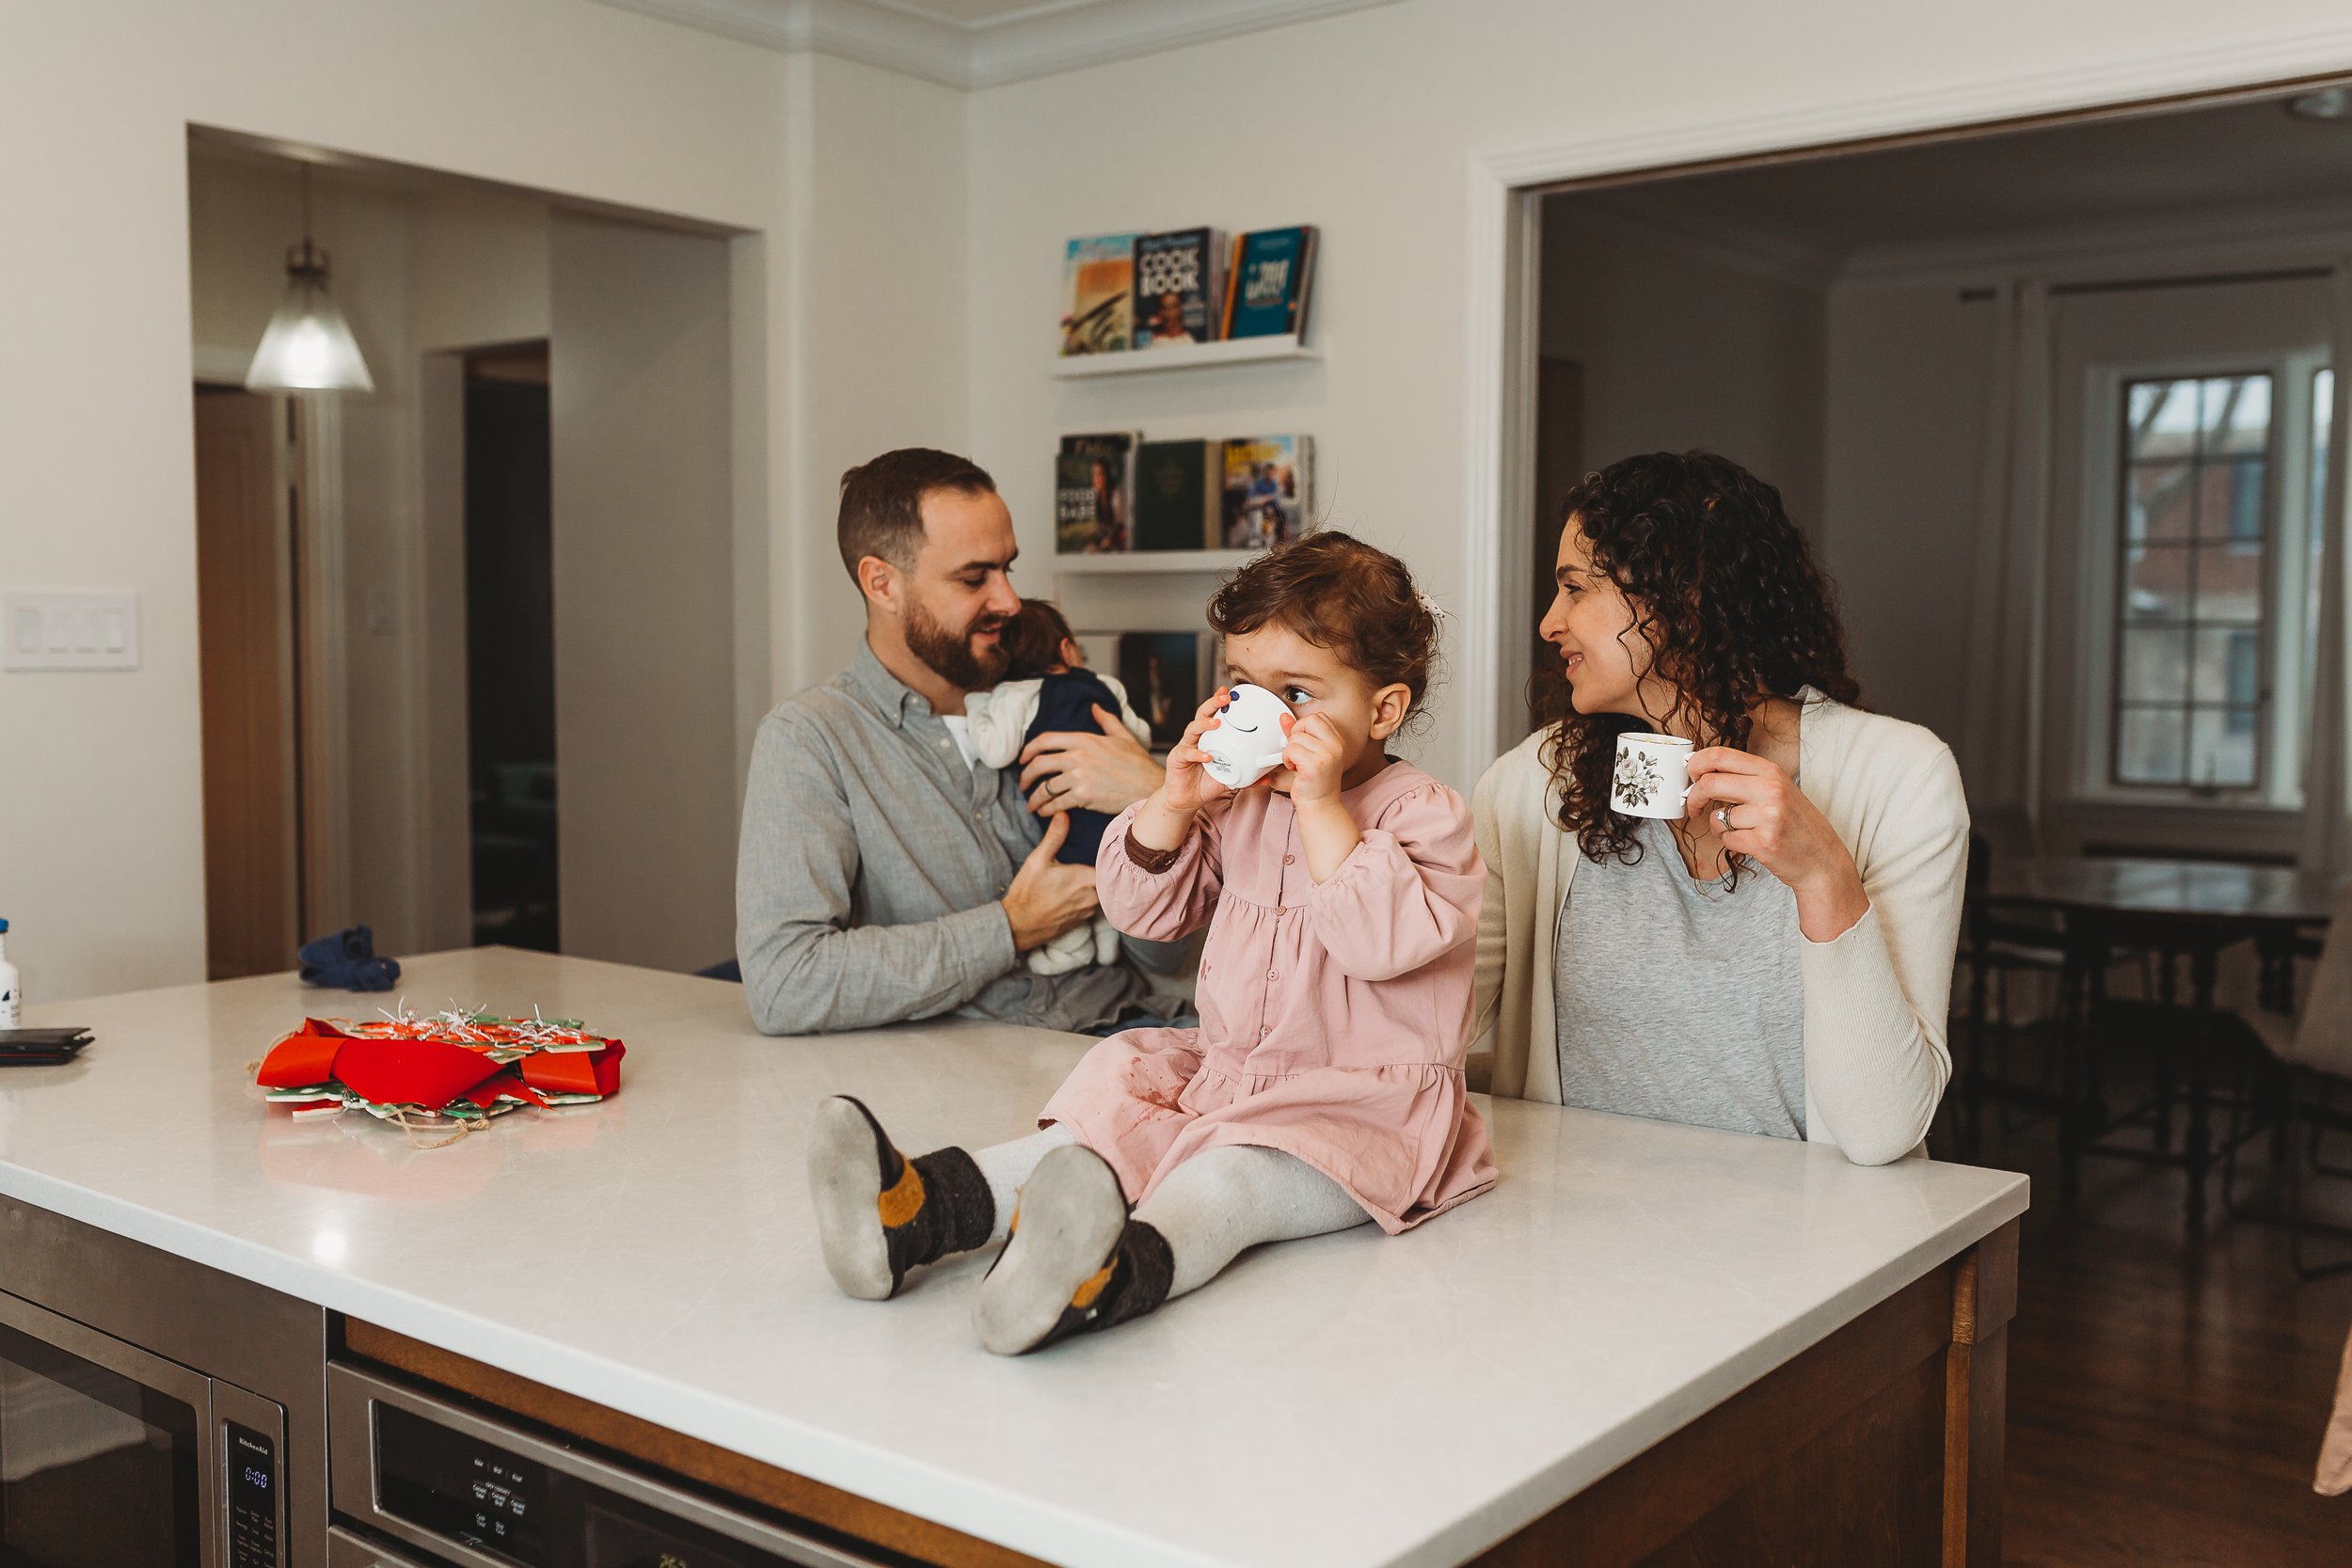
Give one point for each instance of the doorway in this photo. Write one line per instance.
(247, 561)
(510, 649)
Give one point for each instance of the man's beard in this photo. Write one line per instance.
(952, 658)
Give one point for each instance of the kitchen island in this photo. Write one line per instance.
(1647, 1339)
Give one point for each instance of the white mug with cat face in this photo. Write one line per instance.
(1245, 742)
(1653, 777)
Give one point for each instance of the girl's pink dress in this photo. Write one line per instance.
(1333, 1017)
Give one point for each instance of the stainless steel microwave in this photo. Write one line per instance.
(155, 1411)
(114, 1457)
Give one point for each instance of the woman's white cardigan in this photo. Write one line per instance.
(1876, 999)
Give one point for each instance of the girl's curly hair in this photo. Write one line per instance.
(1724, 593)
(1339, 593)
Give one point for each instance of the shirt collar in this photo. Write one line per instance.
(886, 691)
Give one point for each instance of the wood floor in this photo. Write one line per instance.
(2167, 1395)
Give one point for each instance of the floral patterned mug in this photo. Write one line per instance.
(1653, 776)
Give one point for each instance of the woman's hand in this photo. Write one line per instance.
(1106, 772)
(1756, 810)
(1167, 816)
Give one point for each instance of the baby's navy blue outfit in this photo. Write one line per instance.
(1067, 702)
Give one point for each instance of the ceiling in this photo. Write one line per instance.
(2149, 167)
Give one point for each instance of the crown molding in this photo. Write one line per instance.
(2278, 233)
(1042, 40)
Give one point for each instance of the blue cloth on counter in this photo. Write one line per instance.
(347, 960)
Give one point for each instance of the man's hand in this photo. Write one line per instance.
(1106, 772)
(1047, 897)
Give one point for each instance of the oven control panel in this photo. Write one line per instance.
(253, 1498)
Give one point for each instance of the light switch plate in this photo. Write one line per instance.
(68, 632)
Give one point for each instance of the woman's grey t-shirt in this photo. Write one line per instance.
(1681, 1000)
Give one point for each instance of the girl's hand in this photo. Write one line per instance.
(1756, 810)
(1317, 758)
(1188, 787)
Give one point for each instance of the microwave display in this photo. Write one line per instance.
(252, 1499)
(460, 1487)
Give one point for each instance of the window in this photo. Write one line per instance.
(2193, 577)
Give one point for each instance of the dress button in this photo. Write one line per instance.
(1288, 859)
(1269, 974)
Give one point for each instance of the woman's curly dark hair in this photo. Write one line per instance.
(1726, 594)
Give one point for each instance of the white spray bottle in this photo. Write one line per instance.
(10, 1013)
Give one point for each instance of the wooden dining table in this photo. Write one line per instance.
(2172, 908)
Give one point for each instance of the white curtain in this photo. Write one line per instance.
(2327, 835)
(2001, 718)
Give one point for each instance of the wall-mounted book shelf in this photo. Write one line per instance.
(1158, 561)
(1182, 357)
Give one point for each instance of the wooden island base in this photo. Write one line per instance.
(1880, 1444)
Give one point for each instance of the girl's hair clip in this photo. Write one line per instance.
(1437, 611)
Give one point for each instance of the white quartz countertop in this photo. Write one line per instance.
(1351, 1401)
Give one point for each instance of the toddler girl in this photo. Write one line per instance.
(1324, 1085)
(1047, 686)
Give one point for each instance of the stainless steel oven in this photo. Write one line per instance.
(420, 1483)
(153, 1413)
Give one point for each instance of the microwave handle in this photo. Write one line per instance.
(346, 1550)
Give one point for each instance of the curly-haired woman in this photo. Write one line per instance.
(1779, 959)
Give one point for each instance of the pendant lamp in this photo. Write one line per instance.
(307, 346)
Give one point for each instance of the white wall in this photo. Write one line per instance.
(847, 339)
(1687, 344)
(642, 553)
(1909, 390)
(879, 179)
(1367, 124)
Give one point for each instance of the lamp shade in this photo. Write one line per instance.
(307, 346)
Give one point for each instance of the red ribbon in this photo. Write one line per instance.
(421, 1070)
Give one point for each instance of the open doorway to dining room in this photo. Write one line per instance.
(2054, 400)
(500, 576)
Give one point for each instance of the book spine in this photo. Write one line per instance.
(1233, 278)
(1213, 495)
(1303, 282)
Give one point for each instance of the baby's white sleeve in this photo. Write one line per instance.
(1136, 727)
(999, 718)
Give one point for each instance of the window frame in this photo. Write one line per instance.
(2285, 625)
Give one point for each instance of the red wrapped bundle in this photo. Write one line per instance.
(459, 1066)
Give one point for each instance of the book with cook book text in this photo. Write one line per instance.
(1094, 494)
(1097, 294)
(1267, 294)
(1180, 287)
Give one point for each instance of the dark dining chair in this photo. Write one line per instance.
(2312, 1083)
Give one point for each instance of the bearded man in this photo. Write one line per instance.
(882, 875)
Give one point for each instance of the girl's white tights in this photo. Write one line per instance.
(1212, 1208)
